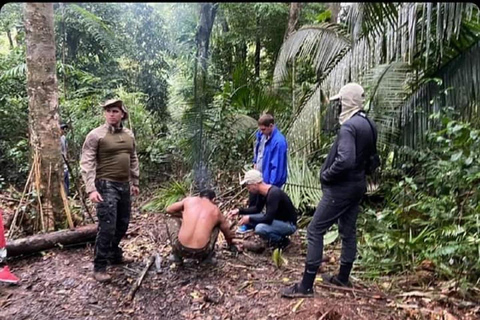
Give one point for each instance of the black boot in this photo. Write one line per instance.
(296, 291)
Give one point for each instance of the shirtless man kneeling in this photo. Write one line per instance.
(201, 223)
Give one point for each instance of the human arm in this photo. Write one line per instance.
(278, 164)
(257, 208)
(273, 206)
(88, 166)
(134, 168)
(345, 156)
(225, 228)
(176, 208)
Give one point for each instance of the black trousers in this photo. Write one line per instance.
(333, 208)
(113, 218)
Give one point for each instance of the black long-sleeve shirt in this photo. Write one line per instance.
(345, 163)
(279, 207)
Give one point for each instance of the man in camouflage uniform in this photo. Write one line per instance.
(110, 170)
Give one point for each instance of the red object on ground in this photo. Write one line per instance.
(7, 277)
(5, 274)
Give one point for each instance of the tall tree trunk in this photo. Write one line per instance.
(227, 51)
(43, 111)
(205, 25)
(295, 8)
(258, 48)
(334, 8)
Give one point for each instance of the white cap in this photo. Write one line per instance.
(251, 177)
(351, 93)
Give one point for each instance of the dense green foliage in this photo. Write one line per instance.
(432, 213)
(144, 53)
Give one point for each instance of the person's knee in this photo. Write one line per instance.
(261, 229)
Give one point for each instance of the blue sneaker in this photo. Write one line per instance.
(244, 229)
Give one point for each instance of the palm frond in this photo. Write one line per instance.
(457, 85)
(15, 72)
(93, 24)
(398, 42)
(303, 186)
(387, 87)
(317, 44)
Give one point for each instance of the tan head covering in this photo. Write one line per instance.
(352, 97)
(116, 103)
(251, 177)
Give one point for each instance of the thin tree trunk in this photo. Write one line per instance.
(258, 48)
(228, 53)
(295, 9)
(43, 110)
(334, 8)
(207, 17)
(9, 35)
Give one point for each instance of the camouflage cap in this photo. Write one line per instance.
(116, 103)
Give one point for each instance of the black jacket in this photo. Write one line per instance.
(344, 167)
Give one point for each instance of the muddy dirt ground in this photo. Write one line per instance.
(58, 284)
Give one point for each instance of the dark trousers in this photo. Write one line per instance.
(331, 209)
(66, 180)
(113, 218)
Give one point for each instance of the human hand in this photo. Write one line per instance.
(134, 190)
(95, 197)
(244, 220)
(233, 213)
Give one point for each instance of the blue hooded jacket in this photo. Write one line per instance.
(274, 164)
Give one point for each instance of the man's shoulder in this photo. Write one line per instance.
(98, 131)
(275, 191)
(279, 138)
(129, 132)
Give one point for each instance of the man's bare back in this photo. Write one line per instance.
(200, 216)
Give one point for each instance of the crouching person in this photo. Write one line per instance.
(201, 223)
(280, 218)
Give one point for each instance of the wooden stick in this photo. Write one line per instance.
(66, 205)
(12, 225)
(351, 290)
(231, 199)
(8, 198)
(138, 283)
(79, 189)
(37, 185)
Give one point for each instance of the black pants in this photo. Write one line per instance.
(113, 218)
(333, 208)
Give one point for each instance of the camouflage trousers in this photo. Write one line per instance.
(113, 218)
(199, 254)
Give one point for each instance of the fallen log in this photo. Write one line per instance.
(50, 240)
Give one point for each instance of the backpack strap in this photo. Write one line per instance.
(363, 115)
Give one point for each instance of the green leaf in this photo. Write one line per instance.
(330, 237)
(456, 156)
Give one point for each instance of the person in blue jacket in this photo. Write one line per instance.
(270, 158)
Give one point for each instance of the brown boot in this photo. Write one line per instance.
(123, 260)
(102, 276)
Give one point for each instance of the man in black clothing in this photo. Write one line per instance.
(343, 184)
(280, 218)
